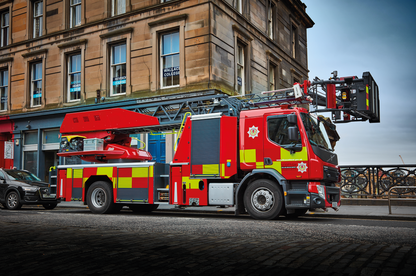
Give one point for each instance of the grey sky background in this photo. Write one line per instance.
(378, 36)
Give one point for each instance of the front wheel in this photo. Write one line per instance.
(100, 198)
(263, 199)
(13, 201)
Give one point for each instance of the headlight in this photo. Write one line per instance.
(321, 191)
(30, 189)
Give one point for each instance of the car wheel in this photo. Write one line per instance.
(100, 198)
(263, 199)
(13, 201)
(49, 206)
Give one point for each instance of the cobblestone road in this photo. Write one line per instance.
(30, 247)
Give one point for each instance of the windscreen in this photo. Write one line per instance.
(316, 131)
(21, 175)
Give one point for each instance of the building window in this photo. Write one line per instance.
(169, 60)
(270, 20)
(239, 6)
(240, 70)
(272, 77)
(294, 40)
(37, 18)
(4, 88)
(36, 85)
(74, 77)
(118, 69)
(118, 7)
(75, 11)
(4, 29)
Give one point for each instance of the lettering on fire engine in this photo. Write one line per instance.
(253, 132)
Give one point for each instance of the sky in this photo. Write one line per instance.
(378, 36)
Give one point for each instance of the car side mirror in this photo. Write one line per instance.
(292, 119)
(293, 133)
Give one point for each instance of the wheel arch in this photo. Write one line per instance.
(91, 180)
(254, 175)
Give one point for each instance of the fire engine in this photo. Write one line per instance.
(267, 155)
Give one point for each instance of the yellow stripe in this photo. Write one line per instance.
(151, 171)
(140, 172)
(125, 182)
(222, 170)
(276, 165)
(259, 165)
(285, 155)
(249, 156)
(69, 173)
(210, 169)
(366, 90)
(77, 173)
(191, 183)
(105, 171)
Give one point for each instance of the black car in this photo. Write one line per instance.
(18, 187)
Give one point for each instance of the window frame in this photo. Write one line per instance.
(272, 77)
(161, 58)
(240, 62)
(239, 6)
(271, 19)
(35, 17)
(294, 41)
(4, 38)
(32, 81)
(2, 86)
(72, 9)
(111, 48)
(283, 116)
(113, 7)
(69, 74)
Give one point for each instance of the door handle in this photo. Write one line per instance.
(268, 161)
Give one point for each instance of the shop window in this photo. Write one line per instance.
(169, 59)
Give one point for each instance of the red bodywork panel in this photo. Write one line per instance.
(109, 119)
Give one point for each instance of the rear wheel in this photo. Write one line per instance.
(263, 199)
(13, 201)
(100, 198)
(143, 208)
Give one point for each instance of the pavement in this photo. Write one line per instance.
(347, 210)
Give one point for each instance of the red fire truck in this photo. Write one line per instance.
(272, 158)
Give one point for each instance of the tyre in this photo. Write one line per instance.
(100, 198)
(263, 199)
(13, 201)
(143, 208)
(49, 206)
(297, 213)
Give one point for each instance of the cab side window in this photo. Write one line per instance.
(278, 130)
(2, 175)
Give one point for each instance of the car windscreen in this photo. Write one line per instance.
(21, 175)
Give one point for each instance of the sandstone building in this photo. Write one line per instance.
(60, 56)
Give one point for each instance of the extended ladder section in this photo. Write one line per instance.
(349, 99)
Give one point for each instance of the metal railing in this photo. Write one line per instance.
(400, 187)
(375, 181)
